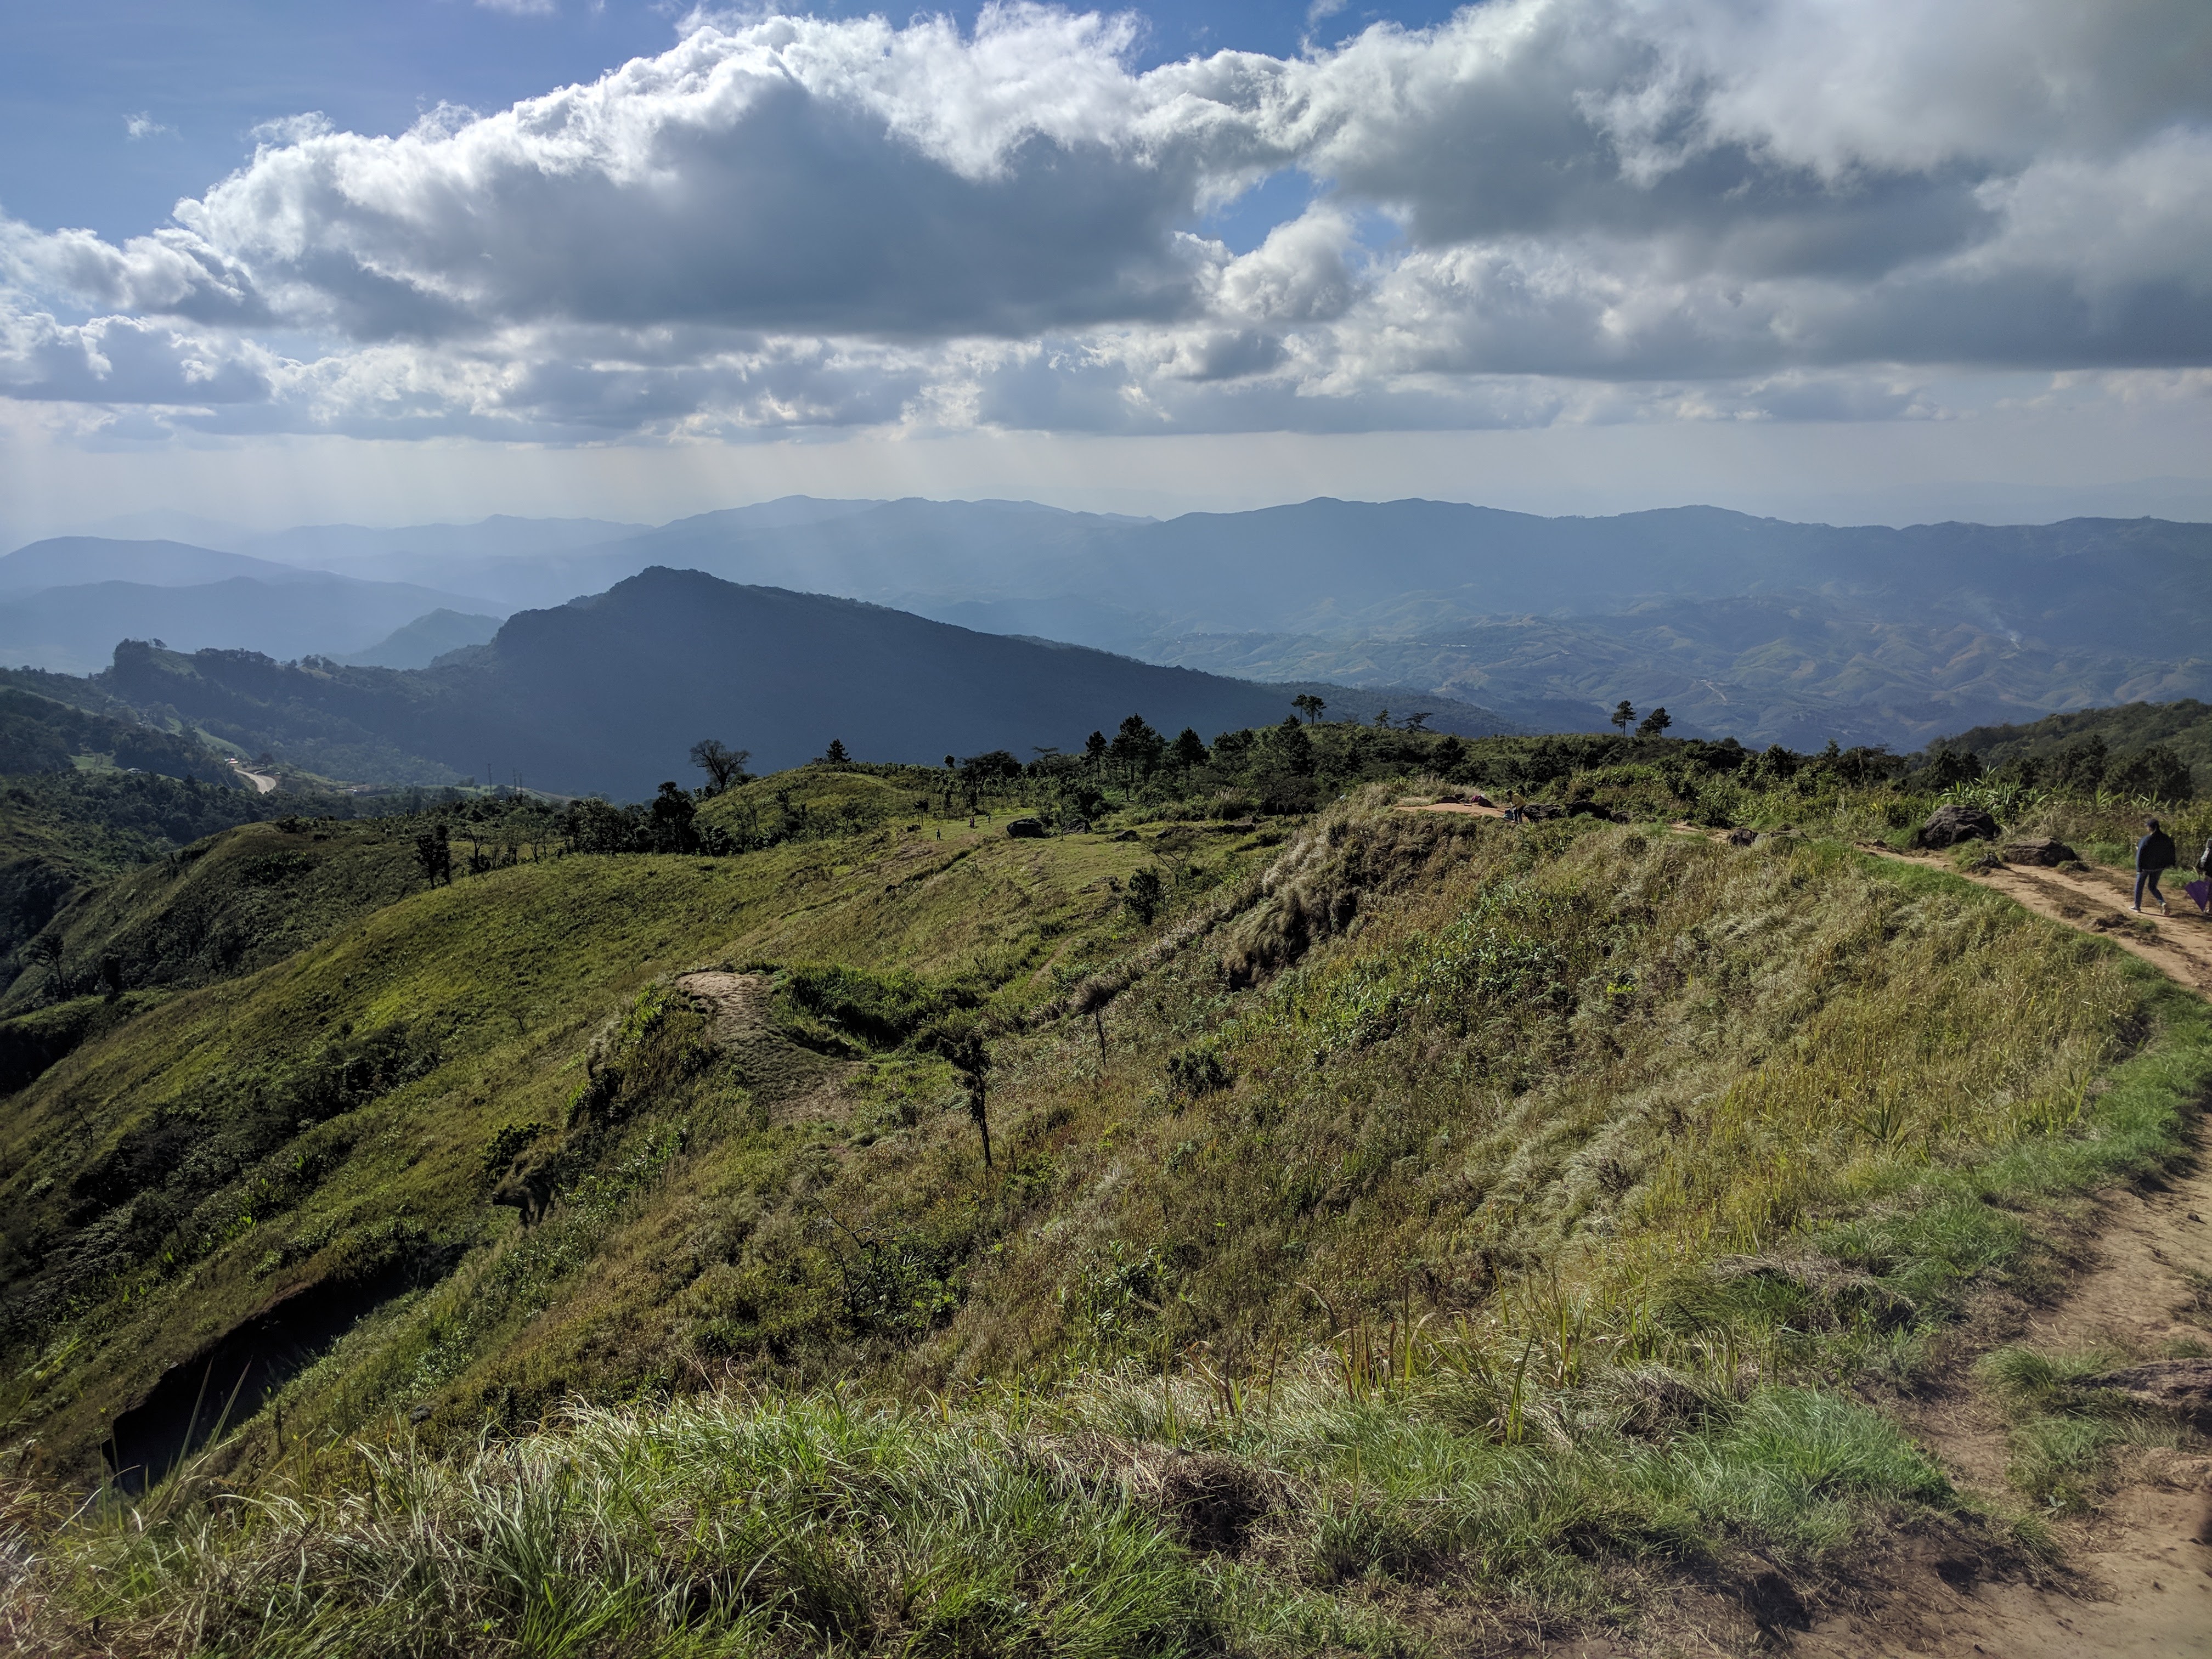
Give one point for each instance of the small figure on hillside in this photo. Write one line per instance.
(2201, 889)
(2155, 854)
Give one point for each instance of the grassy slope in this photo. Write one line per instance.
(2186, 727)
(501, 980)
(229, 904)
(61, 832)
(1532, 1124)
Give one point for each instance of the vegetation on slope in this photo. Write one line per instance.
(1404, 1226)
(61, 832)
(2093, 748)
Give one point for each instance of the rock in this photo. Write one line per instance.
(2046, 852)
(1591, 809)
(1476, 798)
(1742, 837)
(1536, 812)
(1025, 828)
(1948, 826)
(1076, 827)
(2177, 1385)
(1125, 834)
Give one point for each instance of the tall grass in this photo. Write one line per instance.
(1129, 1515)
(1538, 1189)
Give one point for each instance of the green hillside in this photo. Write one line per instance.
(1400, 1229)
(60, 832)
(2185, 728)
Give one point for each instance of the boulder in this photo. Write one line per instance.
(1124, 835)
(1025, 828)
(1742, 837)
(1948, 826)
(2045, 851)
(1536, 812)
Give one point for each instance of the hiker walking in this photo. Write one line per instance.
(2201, 889)
(2154, 854)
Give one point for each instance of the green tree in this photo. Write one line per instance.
(1655, 723)
(1623, 715)
(960, 1041)
(1189, 750)
(2154, 770)
(1286, 748)
(433, 851)
(1094, 748)
(1418, 722)
(2079, 768)
(1138, 747)
(1948, 767)
(1309, 705)
(834, 754)
(670, 821)
(1147, 892)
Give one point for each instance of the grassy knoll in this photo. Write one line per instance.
(223, 906)
(1406, 1232)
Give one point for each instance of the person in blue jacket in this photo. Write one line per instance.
(2154, 853)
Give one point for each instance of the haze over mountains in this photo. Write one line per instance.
(606, 695)
(1768, 630)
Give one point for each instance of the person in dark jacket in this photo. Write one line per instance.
(2154, 853)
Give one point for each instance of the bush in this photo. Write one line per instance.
(882, 1011)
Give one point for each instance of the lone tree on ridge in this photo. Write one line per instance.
(1309, 705)
(1623, 715)
(1655, 723)
(722, 765)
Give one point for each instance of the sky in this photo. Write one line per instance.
(1855, 259)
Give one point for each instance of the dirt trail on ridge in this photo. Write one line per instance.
(793, 1081)
(2141, 1565)
(2145, 1557)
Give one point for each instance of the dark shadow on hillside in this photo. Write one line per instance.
(226, 1382)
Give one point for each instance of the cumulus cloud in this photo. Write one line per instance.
(1537, 210)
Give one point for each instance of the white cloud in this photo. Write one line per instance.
(143, 125)
(1702, 209)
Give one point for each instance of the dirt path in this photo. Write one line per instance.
(795, 1081)
(2142, 1588)
(262, 782)
(2178, 945)
(2145, 1557)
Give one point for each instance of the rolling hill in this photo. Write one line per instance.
(1768, 628)
(608, 694)
(1406, 1230)
(65, 603)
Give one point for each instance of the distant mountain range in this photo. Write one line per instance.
(607, 695)
(65, 603)
(1764, 630)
